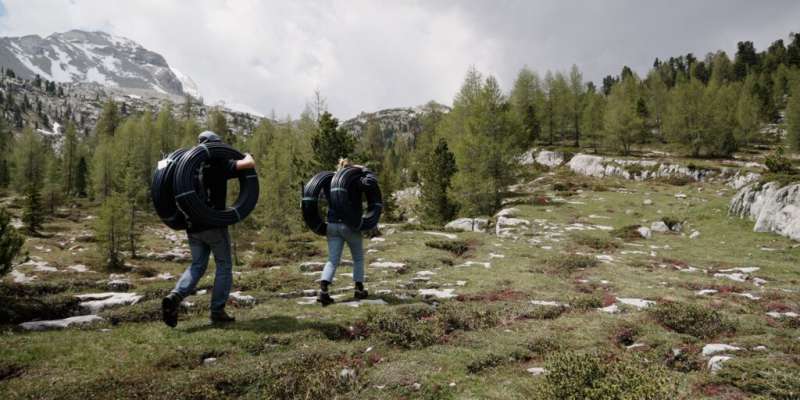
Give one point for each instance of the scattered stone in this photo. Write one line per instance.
(486, 265)
(645, 232)
(371, 302)
(468, 224)
(714, 348)
(437, 294)
(119, 285)
(746, 270)
(494, 255)
(788, 314)
(78, 268)
(377, 239)
(694, 235)
(548, 303)
(647, 202)
(736, 276)
(93, 303)
(209, 360)
(536, 371)
(612, 309)
(703, 292)
(760, 348)
(442, 234)
(312, 266)
(715, 363)
(680, 196)
(604, 258)
(659, 226)
(635, 346)
(242, 299)
(21, 278)
(347, 374)
(749, 296)
(638, 303)
(397, 266)
(60, 323)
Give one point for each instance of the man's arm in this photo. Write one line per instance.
(246, 163)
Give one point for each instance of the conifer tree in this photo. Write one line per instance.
(576, 102)
(330, 142)
(81, 177)
(167, 130)
(623, 124)
(10, 243)
(6, 143)
(30, 166)
(435, 182)
(110, 227)
(592, 119)
(480, 129)
(219, 125)
(525, 99)
(685, 120)
(373, 145)
(70, 158)
(108, 121)
(793, 119)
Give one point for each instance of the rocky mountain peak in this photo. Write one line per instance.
(82, 56)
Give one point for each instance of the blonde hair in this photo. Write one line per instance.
(344, 163)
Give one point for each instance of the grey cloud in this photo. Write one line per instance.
(366, 55)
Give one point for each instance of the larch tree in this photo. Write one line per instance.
(592, 119)
(685, 120)
(793, 119)
(622, 122)
(70, 159)
(576, 102)
(525, 99)
(110, 227)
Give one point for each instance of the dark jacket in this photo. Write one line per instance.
(355, 196)
(214, 187)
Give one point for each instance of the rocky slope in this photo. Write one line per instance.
(80, 56)
(394, 122)
(772, 207)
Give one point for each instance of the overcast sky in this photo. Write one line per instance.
(368, 55)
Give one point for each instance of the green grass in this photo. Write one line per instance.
(476, 345)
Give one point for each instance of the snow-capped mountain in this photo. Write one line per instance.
(80, 56)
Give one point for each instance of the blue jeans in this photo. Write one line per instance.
(202, 244)
(338, 234)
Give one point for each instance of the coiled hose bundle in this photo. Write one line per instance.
(347, 181)
(313, 191)
(189, 199)
(162, 193)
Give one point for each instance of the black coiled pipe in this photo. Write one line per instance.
(191, 203)
(312, 193)
(347, 181)
(162, 193)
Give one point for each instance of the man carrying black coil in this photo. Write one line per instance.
(204, 240)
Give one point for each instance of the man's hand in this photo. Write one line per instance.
(246, 163)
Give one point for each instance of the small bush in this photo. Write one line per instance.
(587, 302)
(571, 262)
(629, 232)
(456, 246)
(777, 162)
(406, 327)
(490, 360)
(625, 334)
(677, 180)
(572, 375)
(691, 319)
(542, 346)
(597, 242)
(684, 359)
(314, 375)
(772, 378)
(467, 317)
(532, 311)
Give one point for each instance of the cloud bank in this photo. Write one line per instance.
(367, 55)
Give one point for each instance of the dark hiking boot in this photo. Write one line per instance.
(221, 317)
(360, 293)
(169, 309)
(325, 299)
